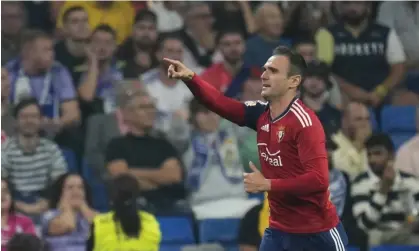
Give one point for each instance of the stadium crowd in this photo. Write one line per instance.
(87, 105)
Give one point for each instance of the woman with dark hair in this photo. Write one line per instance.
(125, 227)
(66, 225)
(11, 222)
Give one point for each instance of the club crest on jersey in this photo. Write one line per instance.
(281, 133)
(250, 103)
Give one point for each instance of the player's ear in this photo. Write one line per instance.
(295, 81)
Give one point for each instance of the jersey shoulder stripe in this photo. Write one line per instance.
(302, 115)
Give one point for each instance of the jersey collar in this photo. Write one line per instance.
(273, 120)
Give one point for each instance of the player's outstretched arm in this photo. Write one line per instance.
(213, 99)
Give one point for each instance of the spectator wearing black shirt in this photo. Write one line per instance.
(137, 53)
(315, 95)
(367, 58)
(152, 160)
(71, 51)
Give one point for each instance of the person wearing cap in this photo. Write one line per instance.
(315, 94)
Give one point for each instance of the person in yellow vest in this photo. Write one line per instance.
(125, 227)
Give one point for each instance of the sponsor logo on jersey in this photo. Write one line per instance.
(272, 159)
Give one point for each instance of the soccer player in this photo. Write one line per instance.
(292, 152)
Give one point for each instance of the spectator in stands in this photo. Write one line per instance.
(403, 19)
(101, 128)
(36, 74)
(7, 120)
(66, 225)
(26, 242)
(172, 96)
(270, 23)
(231, 44)
(117, 14)
(168, 17)
(256, 220)
(71, 51)
(198, 36)
(306, 47)
(139, 228)
(407, 157)
(213, 160)
(96, 89)
(315, 94)
(351, 155)
(384, 197)
(366, 58)
(138, 51)
(246, 137)
(29, 161)
(11, 221)
(13, 17)
(153, 161)
(235, 15)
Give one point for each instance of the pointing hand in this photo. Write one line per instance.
(177, 70)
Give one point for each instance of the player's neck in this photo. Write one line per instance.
(280, 104)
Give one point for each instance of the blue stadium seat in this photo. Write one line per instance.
(176, 231)
(352, 249)
(398, 119)
(400, 138)
(224, 231)
(99, 193)
(170, 247)
(373, 120)
(395, 248)
(71, 159)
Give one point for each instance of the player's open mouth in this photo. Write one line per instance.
(265, 86)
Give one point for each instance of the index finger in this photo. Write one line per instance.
(171, 61)
(253, 167)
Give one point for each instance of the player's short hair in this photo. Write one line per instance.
(227, 31)
(69, 11)
(105, 28)
(380, 139)
(297, 63)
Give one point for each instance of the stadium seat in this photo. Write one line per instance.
(170, 247)
(400, 138)
(395, 248)
(99, 193)
(373, 120)
(224, 231)
(398, 119)
(176, 231)
(71, 159)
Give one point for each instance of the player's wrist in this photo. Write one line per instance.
(267, 186)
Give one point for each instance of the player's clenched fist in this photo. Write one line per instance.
(255, 182)
(177, 70)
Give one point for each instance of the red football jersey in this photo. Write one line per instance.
(292, 146)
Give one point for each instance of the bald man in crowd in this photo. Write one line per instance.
(351, 156)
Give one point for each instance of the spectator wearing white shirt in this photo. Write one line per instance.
(172, 96)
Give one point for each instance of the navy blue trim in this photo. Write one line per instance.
(273, 120)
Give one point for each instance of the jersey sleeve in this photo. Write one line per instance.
(311, 140)
(253, 110)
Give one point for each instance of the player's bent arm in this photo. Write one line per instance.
(214, 100)
(314, 180)
(367, 209)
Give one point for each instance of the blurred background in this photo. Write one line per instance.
(85, 98)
